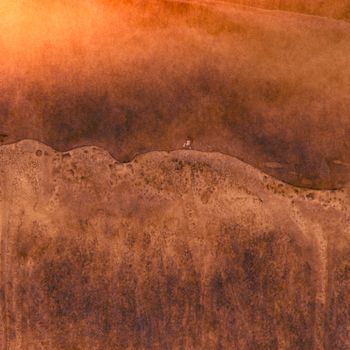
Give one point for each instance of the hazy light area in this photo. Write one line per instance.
(264, 86)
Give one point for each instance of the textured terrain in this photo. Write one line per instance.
(179, 250)
(113, 238)
(269, 87)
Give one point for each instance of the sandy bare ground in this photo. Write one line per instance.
(172, 250)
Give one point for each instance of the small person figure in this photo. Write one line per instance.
(3, 137)
(188, 143)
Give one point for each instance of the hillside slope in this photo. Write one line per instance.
(339, 9)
